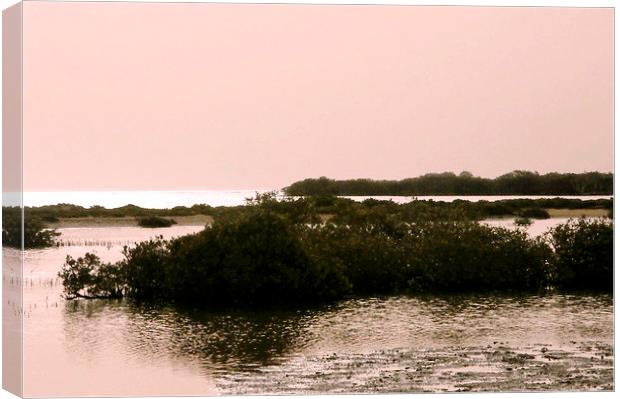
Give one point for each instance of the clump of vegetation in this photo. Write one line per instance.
(329, 205)
(279, 252)
(155, 221)
(523, 221)
(87, 277)
(272, 252)
(34, 234)
(583, 255)
(53, 213)
(254, 260)
(518, 182)
(534, 213)
(385, 256)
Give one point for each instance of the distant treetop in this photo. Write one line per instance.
(518, 182)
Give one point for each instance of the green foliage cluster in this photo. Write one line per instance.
(344, 210)
(35, 235)
(534, 213)
(331, 205)
(155, 221)
(523, 221)
(384, 256)
(87, 277)
(517, 182)
(583, 255)
(280, 252)
(52, 213)
(252, 260)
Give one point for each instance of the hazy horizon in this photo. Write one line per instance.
(185, 96)
(284, 186)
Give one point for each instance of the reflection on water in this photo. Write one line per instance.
(231, 340)
(391, 344)
(260, 348)
(538, 226)
(221, 341)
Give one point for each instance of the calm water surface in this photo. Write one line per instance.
(392, 344)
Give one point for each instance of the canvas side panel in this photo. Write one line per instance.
(12, 258)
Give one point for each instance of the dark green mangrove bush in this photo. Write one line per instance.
(87, 277)
(583, 255)
(35, 233)
(523, 221)
(534, 213)
(472, 257)
(280, 253)
(257, 259)
(155, 221)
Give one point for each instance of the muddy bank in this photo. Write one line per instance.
(576, 213)
(580, 366)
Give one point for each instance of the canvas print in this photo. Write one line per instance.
(239, 199)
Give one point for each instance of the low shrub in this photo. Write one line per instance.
(35, 233)
(87, 277)
(534, 213)
(523, 221)
(472, 257)
(155, 221)
(258, 259)
(583, 255)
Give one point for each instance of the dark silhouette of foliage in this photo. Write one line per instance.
(583, 258)
(155, 221)
(514, 183)
(306, 208)
(52, 213)
(523, 221)
(274, 253)
(467, 256)
(255, 260)
(35, 234)
(87, 277)
(534, 213)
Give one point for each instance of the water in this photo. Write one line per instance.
(538, 226)
(169, 199)
(391, 344)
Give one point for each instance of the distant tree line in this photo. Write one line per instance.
(52, 213)
(518, 182)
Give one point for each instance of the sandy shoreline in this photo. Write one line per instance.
(201, 220)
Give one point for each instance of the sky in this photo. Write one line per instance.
(152, 96)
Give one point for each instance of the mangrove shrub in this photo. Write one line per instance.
(279, 253)
(35, 234)
(155, 221)
(583, 255)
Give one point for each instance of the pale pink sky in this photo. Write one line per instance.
(216, 96)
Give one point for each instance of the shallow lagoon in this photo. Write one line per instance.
(391, 344)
